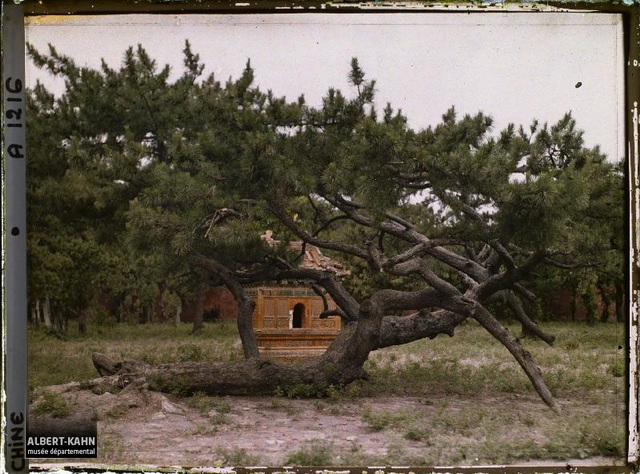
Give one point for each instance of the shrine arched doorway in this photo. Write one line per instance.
(297, 321)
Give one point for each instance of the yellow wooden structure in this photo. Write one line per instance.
(288, 325)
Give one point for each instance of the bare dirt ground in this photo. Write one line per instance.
(148, 428)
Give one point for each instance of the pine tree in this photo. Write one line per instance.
(445, 222)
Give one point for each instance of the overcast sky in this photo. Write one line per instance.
(513, 66)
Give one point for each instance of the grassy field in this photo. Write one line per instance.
(478, 404)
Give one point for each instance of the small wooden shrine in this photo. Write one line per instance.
(287, 316)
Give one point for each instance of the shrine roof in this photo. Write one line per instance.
(312, 258)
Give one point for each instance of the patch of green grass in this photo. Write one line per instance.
(339, 394)
(397, 455)
(473, 363)
(218, 419)
(315, 452)
(299, 390)
(479, 406)
(236, 457)
(617, 368)
(52, 404)
(377, 421)
(603, 439)
(118, 411)
(222, 405)
(288, 406)
(111, 446)
(200, 401)
(353, 456)
(499, 434)
(189, 353)
(54, 361)
(205, 430)
(416, 433)
(205, 403)
(276, 402)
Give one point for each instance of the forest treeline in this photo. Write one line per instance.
(143, 191)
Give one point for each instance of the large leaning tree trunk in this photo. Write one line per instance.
(245, 303)
(486, 272)
(369, 325)
(438, 306)
(198, 320)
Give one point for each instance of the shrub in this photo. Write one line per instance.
(315, 452)
(236, 457)
(377, 421)
(52, 404)
(190, 353)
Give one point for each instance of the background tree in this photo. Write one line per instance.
(75, 201)
(91, 149)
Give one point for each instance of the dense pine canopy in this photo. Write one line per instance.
(138, 184)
